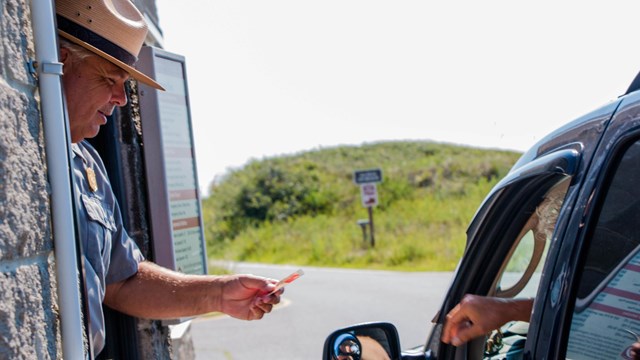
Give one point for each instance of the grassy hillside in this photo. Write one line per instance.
(303, 208)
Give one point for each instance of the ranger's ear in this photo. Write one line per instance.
(65, 55)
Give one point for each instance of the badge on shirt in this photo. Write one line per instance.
(91, 179)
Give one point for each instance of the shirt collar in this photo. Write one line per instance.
(77, 150)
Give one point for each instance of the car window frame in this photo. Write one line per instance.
(553, 309)
(538, 256)
(524, 187)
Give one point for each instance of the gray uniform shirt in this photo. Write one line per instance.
(109, 254)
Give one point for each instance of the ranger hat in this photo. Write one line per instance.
(112, 29)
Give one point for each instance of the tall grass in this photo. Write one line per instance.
(309, 206)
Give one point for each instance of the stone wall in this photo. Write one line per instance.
(29, 324)
(29, 320)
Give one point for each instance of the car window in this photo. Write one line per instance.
(520, 272)
(506, 248)
(607, 307)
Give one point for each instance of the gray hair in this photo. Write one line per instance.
(78, 52)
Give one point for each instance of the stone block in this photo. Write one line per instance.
(17, 40)
(29, 324)
(25, 227)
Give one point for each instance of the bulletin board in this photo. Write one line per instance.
(170, 164)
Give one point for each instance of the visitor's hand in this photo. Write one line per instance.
(635, 351)
(477, 315)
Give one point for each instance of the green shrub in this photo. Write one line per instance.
(303, 208)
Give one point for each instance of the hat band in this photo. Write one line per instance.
(95, 40)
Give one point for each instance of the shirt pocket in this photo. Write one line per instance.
(100, 229)
(97, 212)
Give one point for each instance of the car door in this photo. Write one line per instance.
(509, 240)
(590, 306)
(518, 227)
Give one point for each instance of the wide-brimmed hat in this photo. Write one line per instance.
(112, 29)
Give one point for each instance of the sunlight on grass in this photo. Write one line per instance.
(428, 196)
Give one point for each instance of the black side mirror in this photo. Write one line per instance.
(369, 341)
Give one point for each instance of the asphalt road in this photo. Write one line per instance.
(318, 303)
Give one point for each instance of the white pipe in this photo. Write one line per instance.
(58, 155)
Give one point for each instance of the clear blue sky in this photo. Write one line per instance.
(281, 76)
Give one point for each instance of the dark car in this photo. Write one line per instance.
(562, 227)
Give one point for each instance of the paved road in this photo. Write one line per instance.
(321, 301)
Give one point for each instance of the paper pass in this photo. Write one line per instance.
(287, 280)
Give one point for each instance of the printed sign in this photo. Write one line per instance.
(609, 324)
(367, 176)
(176, 213)
(369, 194)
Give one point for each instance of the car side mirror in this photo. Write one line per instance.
(367, 341)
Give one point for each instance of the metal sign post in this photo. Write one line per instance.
(367, 180)
(373, 237)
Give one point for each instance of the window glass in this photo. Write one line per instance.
(521, 271)
(607, 310)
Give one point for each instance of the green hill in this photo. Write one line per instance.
(303, 208)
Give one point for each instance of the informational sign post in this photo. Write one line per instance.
(369, 195)
(367, 176)
(174, 198)
(367, 180)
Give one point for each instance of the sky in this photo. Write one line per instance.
(277, 77)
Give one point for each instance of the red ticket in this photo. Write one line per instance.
(287, 280)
